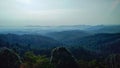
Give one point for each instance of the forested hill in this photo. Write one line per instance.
(92, 45)
(35, 41)
(103, 42)
(69, 34)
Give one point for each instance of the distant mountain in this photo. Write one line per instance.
(67, 35)
(105, 29)
(48, 29)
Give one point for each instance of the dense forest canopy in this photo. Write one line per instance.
(95, 46)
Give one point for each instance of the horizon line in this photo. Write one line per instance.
(60, 25)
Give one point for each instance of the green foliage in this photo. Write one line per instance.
(91, 64)
(36, 61)
(83, 64)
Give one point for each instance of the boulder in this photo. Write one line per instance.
(113, 61)
(62, 58)
(9, 59)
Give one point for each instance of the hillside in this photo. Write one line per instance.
(89, 46)
(35, 41)
(99, 43)
(67, 35)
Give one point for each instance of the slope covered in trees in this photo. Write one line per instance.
(67, 35)
(99, 43)
(90, 47)
(93, 47)
(35, 41)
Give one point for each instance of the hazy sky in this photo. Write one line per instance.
(59, 12)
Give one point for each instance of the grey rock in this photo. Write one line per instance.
(113, 61)
(9, 59)
(62, 58)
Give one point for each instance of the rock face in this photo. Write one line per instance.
(9, 59)
(62, 58)
(113, 61)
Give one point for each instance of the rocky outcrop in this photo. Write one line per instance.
(9, 59)
(113, 61)
(62, 58)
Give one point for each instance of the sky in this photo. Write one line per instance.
(59, 12)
